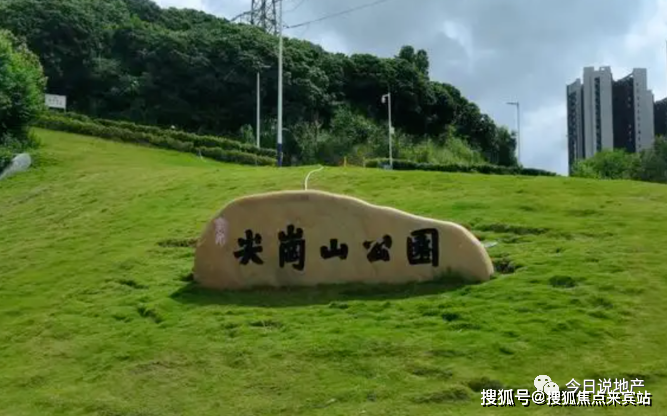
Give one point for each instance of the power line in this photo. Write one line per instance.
(350, 10)
(295, 7)
(305, 30)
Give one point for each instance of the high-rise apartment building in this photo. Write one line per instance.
(575, 122)
(606, 114)
(660, 117)
(598, 109)
(634, 128)
(590, 126)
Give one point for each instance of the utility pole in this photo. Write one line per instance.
(386, 99)
(268, 15)
(518, 129)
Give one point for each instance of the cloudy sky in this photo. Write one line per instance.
(494, 51)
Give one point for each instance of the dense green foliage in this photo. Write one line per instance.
(220, 149)
(6, 156)
(652, 166)
(22, 86)
(132, 60)
(356, 138)
(649, 165)
(453, 167)
(455, 157)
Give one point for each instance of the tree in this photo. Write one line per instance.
(407, 53)
(504, 148)
(22, 86)
(422, 62)
(131, 59)
(68, 36)
(652, 166)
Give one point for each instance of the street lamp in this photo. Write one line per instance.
(258, 113)
(518, 128)
(258, 121)
(280, 84)
(386, 99)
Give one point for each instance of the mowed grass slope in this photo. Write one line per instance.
(97, 318)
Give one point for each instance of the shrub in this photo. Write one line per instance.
(6, 156)
(69, 114)
(235, 156)
(22, 85)
(608, 164)
(453, 151)
(196, 139)
(400, 164)
(652, 163)
(113, 132)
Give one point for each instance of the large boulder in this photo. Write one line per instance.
(303, 238)
(20, 163)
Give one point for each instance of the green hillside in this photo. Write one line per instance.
(97, 316)
(133, 60)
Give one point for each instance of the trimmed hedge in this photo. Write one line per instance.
(485, 169)
(196, 144)
(196, 139)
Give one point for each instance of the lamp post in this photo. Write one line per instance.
(386, 99)
(258, 122)
(518, 128)
(257, 132)
(280, 85)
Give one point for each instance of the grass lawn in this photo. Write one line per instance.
(97, 316)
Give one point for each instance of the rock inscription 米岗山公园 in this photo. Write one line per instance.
(304, 238)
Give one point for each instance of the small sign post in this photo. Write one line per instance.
(56, 101)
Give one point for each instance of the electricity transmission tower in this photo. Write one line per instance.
(263, 14)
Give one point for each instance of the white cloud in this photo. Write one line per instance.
(331, 41)
(460, 33)
(540, 145)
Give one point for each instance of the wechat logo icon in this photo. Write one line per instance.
(544, 384)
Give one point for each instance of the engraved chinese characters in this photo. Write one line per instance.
(250, 247)
(301, 238)
(334, 250)
(292, 247)
(422, 248)
(378, 250)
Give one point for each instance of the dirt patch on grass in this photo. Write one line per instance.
(132, 283)
(452, 394)
(484, 383)
(178, 242)
(149, 312)
(505, 265)
(565, 282)
(512, 229)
